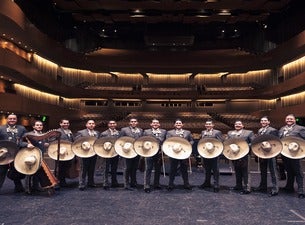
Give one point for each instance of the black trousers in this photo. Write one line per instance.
(63, 167)
(112, 167)
(211, 165)
(3, 173)
(294, 171)
(173, 171)
(241, 167)
(131, 168)
(87, 169)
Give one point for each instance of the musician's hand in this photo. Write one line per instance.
(30, 145)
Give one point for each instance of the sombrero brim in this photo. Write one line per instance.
(290, 154)
(21, 166)
(77, 147)
(171, 141)
(243, 148)
(53, 150)
(275, 142)
(118, 146)
(101, 151)
(203, 151)
(11, 148)
(138, 146)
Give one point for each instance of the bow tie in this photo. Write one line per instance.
(156, 131)
(135, 130)
(208, 133)
(114, 132)
(12, 130)
(179, 132)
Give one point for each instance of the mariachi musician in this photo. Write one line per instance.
(132, 164)
(270, 163)
(186, 134)
(241, 166)
(111, 163)
(87, 163)
(156, 160)
(293, 166)
(211, 164)
(64, 166)
(12, 132)
(32, 182)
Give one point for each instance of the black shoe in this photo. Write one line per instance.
(106, 187)
(19, 189)
(260, 189)
(92, 185)
(273, 193)
(170, 188)
(287, 189)
(216, 189)
(128, 189)
(245, 192)
(81, 188)
(133, 185)
(205, 185)
(63, 184)
(157, 187)
(115, 185)
(37, 189)
(187, 187)
(147, 190)
(301, 195)
(236, 188)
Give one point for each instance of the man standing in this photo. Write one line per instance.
(265, 163)
(186, 134)
(156, 160)
(112, 163)
(12, 132)
(131, 164)
(241, 166)
(87, 164)
(32, 181)
(293, 166)
(211, 165)
(66, 134)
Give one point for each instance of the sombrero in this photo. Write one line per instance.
(235, 148)
(104, 147)
(293, 147)
(83, 147)
(146, 146)
(177, 148)
(28, 160)
(65, 150)
(209, 147)
(266, 146)
(124, 147)
(8, 150)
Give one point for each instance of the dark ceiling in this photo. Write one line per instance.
(255, 26)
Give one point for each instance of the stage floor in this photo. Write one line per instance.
(119, 206)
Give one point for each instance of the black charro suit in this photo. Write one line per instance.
(15, 135)
(293, 166)
(131, 164)
(241, 166)
(64, 166)
(186, 134)
(112, 163)
(211, 165)
(271, 163)
(87, 164)
(156, 160)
